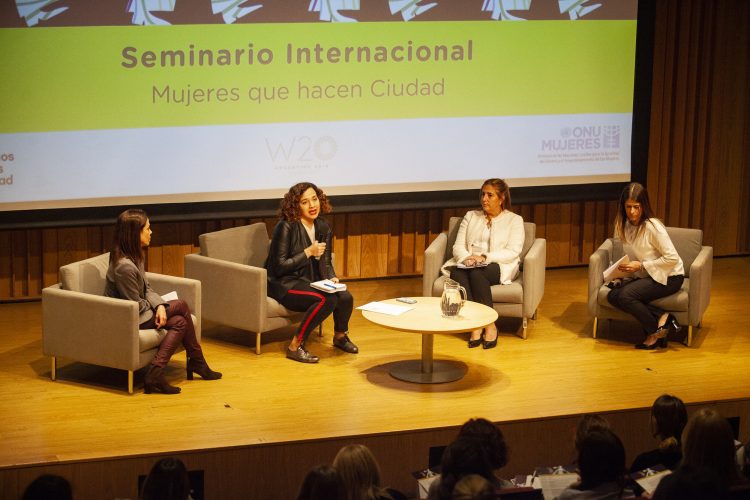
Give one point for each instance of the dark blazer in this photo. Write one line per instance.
(127, 281)
(287, 263)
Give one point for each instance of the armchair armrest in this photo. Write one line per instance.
(533, 276)
(433, 261)
(700, 285)
(598, 263)
(91, 328)
(233, 294)
(187, 289)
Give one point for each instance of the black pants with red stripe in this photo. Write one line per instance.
(317, 306)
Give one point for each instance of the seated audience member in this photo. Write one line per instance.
(48, 487)
(708, 442)
(668, 419)
(463, 457)
(322, 483)
(601, 464)
(489, 436)
(473, 487)
(746, 461)
(361, 474)
(690, 483)
(168, 480)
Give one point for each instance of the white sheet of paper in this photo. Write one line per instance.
(381, 307)
(650, 482)
(613, 273)
(169, 296)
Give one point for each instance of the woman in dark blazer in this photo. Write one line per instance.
(300, 254)
(126, 279)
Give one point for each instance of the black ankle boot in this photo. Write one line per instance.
(200, 367)
(155, 382)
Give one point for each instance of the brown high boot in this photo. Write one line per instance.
(199, 366)
(155, 382)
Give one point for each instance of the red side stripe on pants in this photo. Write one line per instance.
(310, 317)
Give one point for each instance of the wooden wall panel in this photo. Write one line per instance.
(698, 175)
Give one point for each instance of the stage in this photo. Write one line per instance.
(257, 431)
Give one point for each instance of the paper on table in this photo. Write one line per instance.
(613, 273)
(651, 479)
(169, 296)
(553, 484)
(381, 307)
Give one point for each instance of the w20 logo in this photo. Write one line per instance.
(302, 148)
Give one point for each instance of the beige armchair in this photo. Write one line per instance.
(80, 323)
(230, 268)
(688, 304)
(520, 299)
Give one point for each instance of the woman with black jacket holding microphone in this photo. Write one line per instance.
(300, 254)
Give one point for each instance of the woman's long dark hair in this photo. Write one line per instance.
(670, 417)
(289, 209)
(633, 191)
(168, 480)
(127, 238)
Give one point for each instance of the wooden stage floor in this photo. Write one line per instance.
(87, 415)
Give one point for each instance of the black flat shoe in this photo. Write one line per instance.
(301, 355)
(346, 345)
(475, 343)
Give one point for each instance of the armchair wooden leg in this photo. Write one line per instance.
(596, 324)
(525, 324)
(257, 343)
(53, 368)
(320, 330)
(130, 381)
(689, 338)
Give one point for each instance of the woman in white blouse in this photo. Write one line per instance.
(655, 268)
(486, 252)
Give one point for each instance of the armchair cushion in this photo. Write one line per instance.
(246, 245)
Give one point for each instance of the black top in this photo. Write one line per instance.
(287, 263)
(669, 459)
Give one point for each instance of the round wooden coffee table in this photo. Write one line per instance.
(426, 319)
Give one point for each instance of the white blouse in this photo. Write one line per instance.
(653, 248)
(502, 242)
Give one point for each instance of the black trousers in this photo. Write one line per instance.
(634, 298)
(317, 306)
(478, 281)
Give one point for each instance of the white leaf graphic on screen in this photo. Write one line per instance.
(142, 10)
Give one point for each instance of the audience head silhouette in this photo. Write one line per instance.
(588, 424)
(708, 442)
(168, 480)
(668, 419)
(601, 459)
(360, 472)
(48, 487)
(490, 437)
(322, 483)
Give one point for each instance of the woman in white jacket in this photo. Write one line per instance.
(486, 252)
(655, 269)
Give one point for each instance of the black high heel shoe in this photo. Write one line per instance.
(672, 324)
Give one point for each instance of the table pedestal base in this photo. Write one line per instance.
(442, 371)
